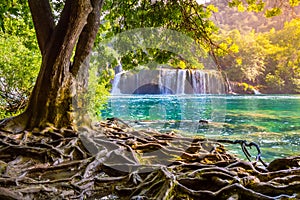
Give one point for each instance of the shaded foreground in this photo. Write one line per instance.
(114, 161)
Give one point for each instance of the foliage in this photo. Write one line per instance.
(97, 90)
(20, 60)
(13, 9)
(247, 87)
(286, 58)
(230, 18)
(186, 17)
(250, 62)
(271, 9)
(270, 59)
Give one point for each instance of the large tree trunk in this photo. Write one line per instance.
(52, 100)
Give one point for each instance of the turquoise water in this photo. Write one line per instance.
(272, 121)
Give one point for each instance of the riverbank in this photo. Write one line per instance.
(114, 161)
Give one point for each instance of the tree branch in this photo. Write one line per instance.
(87, 36)
(43, 21)
(69, 27)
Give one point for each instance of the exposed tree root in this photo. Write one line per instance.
(116, 162)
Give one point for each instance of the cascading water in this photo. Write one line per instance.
(115, 89)
(207, 82)
(169, 81)
(181, 78)
(160, 84)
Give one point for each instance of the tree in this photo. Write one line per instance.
(283, 74)
(75, 31)
(51, 100)
(249, 63)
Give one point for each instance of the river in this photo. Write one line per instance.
(271, 121)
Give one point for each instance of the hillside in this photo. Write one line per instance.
(230, 18)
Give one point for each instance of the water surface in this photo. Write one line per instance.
(272, 121)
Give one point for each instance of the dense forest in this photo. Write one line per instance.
(228, 18)
(266, 49)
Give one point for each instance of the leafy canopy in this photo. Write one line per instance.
(187, 17)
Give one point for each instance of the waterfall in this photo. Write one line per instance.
(256, 91)
(115, 84)
(169, 81)
(181, 78)
(198, 80)
(160, 84)
(206, 82)
(137, 82)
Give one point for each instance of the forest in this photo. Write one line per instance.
(267, 48)
(255, 51)
(56, 74)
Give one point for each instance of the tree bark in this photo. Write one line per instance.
(51, 101)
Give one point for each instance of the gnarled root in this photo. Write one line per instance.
(117, 162)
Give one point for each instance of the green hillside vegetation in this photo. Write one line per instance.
(228, 18)
(267, 49)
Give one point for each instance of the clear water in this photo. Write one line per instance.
(273, 122)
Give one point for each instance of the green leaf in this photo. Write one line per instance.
(273, 12)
